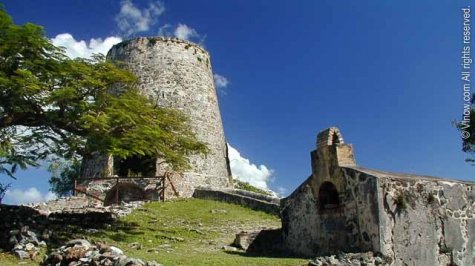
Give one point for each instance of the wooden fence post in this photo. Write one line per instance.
(117, 191)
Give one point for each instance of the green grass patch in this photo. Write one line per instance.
(246, 186)
(183, 232)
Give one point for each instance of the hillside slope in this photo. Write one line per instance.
(184, 232)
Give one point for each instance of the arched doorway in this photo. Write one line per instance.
(328, 197)
(124, 192)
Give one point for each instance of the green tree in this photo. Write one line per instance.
(52, 106)
(467, 128)
(63, 174)
(3, 190)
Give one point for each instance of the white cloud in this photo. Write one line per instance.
(83, 49)
(30, 195)
(220, 81)
(184, 32)
(243, 170)
(165, 30)
(281, 191)
(132, 20)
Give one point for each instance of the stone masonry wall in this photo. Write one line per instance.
(130, 189)
(251, 200)
(407, 219)
(353, 227)
(427, 221)
(177, 74)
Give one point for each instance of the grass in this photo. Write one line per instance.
(246, 186)
(184, 232)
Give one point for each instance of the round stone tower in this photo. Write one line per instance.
(176, 73)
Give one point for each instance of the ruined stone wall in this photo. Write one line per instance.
(177, 74)
(351, 224)
(427, 221)
(352, 227)
(408, 219)
(249, 199)
(130, 189)
(97, 165)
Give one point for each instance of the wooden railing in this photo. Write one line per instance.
(160, 188)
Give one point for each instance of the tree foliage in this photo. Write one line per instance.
(63, 175)
(3, 190)
(54, 106)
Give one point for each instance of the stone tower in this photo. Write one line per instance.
(177, 74)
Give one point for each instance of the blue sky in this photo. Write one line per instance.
(386, 73)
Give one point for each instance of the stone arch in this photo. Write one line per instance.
(330, 136)
(328, 197)
(124, 192)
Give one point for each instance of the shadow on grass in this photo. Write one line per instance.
(267, 254)
(117, 231)
(267, 244)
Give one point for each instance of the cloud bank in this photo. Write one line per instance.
(30, 195)
(83, 49)
(132, 20)
(243, 170)
(220, 81)
(184, 32)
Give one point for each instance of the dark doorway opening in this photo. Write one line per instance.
(135, 166)
(125, 192)
(328, 197)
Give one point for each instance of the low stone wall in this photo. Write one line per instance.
(43, 218)
(251, 200)
(17, 217)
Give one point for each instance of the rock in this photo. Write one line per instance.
(130, 262)
(46, 234)
(33, 253)
(135, 245)
(21, 254)
(85, 259)
(74, 253)
(347, 259)
(55, 258)
(229, 248)
(244, 239)
(153, 263)
(31, 234)
(214, 211)
(198, 231)
(115, 250)
(79, 242)
(29, 246)
(106, 262)
(178, 239)
(12, 240)
(24, 230)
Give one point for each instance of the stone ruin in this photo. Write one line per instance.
(25, 229)
(406, 219)
(177, 74)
